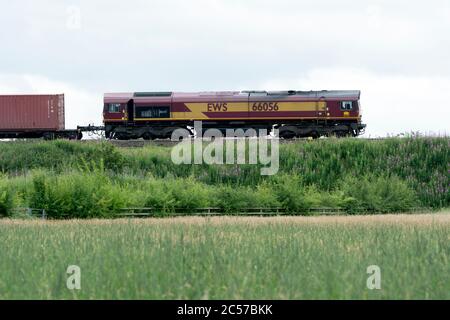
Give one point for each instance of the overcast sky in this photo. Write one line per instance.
(397, 52)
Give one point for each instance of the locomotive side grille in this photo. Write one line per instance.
(153, 94)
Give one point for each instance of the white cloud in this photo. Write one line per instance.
(396, 52)
(391, 104)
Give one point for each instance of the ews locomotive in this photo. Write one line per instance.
(151, 115)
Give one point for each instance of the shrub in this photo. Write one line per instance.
(7, 196)
(422, 162)
(79, 179)
(190, 194)
(378, 194)
(76, 195)
(168, 194)
(322, 199)
(112, 158)
(290, 193)
(232, 199)
(158, 195)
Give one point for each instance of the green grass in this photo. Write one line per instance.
(70, 179)
(227, 259)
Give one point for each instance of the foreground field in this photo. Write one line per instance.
(228, 257)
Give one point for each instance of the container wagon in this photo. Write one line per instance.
(34, 116)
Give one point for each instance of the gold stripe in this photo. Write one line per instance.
(198, 109)
(300, 106)
(253, 118)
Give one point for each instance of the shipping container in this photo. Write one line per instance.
(34, 116)
(28, 113)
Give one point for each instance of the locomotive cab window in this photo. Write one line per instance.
(346, 105)
(114, 107)
(152, 112)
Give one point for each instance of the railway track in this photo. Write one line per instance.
(140, 143)
(168, 143)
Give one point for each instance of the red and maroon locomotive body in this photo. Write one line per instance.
(294, 113)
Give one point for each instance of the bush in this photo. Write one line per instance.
(112, 158)
(321, 199)
(378, 194)
(91, 192)
(7, 196)
(290, 193)
(231, 199)
(76, 195)
(90, 179)
(168, 194)
(421, 162)
(159, 196)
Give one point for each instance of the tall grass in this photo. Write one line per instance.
(97, 179)
(7, 196)
(216, 259)
(20, 157)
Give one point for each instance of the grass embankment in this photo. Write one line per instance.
(70, 179)
(228, 258)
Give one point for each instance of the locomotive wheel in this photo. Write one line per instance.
(287, 135)
(147, 136)
(119, 136)
(315, 135)
(341, 134)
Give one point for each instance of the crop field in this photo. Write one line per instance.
(228, 257)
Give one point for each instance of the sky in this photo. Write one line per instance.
(397, 52)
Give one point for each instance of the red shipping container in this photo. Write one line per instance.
(32, 112)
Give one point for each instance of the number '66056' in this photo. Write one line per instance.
(265, 106)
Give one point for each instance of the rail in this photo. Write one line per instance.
(211, 211)
(31, 212)
(215, 211)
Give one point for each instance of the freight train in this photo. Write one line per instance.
(155, 115)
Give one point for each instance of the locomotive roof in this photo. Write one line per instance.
(293, 93)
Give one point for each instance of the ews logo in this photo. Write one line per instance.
(217, 106)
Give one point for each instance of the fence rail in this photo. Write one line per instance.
(31, 212)
(210, 211)
(214, 211)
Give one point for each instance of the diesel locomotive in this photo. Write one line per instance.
(152, 115)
